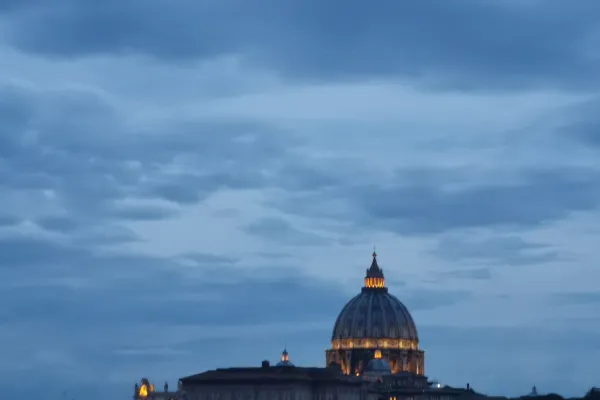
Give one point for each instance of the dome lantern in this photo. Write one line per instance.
(285, 359)
(285, 356)
(374, 278)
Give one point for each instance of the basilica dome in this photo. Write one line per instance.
(374, 313)
(375, 333)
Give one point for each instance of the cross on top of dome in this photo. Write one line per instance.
(374, 278)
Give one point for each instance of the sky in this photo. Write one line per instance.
(192, 184)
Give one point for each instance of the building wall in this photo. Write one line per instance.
(157, 396)
(294, 391)
(248, 392)
(352, 361)
(421, 396)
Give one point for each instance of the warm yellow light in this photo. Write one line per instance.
(151, 387)
(378, 354)
(143, 391)
(385, 343)
(374, 282)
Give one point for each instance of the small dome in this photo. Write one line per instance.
(285, 360)
(378, 366)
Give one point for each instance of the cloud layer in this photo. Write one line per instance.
(197, 184)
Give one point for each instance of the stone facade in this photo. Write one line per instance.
(353, 361)
(275, 383)
(160, 396)
(288, 382)
(286, 391)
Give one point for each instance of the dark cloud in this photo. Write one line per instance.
(429, 299)
(475, 273)
(229, 304)
(222, 293)
(8, 220)
(59, 223)
(190, 189)
(463, 43)
(418, 204)
(227, 213)
(78, 146)
(576, 298)
(19, 251)
(105, 234)
(143, 212)
(184, 190)
(87, 232)
(582, 123)
(588, 132)
(274, 255)
(280, 230)
(538, 197)
(506, 250)
(213, 260)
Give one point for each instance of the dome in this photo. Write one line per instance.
(285, 360)
(378, 366)
(374, 313)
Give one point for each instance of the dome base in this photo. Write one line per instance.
(373, 344)
(354, 361)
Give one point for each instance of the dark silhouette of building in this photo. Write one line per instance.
(282, 381)
(374, 355)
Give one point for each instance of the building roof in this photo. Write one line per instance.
(270, 375)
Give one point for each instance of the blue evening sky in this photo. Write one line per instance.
(190, 184)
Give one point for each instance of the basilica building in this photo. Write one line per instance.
(375, 320)
(374, 355)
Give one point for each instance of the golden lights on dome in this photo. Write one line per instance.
(401, 344)
(285, 357)
(377, 354)
(372, 283)
(374, 278)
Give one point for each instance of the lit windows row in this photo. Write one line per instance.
(374, 344)
(374, 282)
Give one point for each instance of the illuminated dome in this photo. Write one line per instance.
(375, 330)
(285, 360)
(374, 313)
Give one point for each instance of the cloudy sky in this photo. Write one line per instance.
(190, 184)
